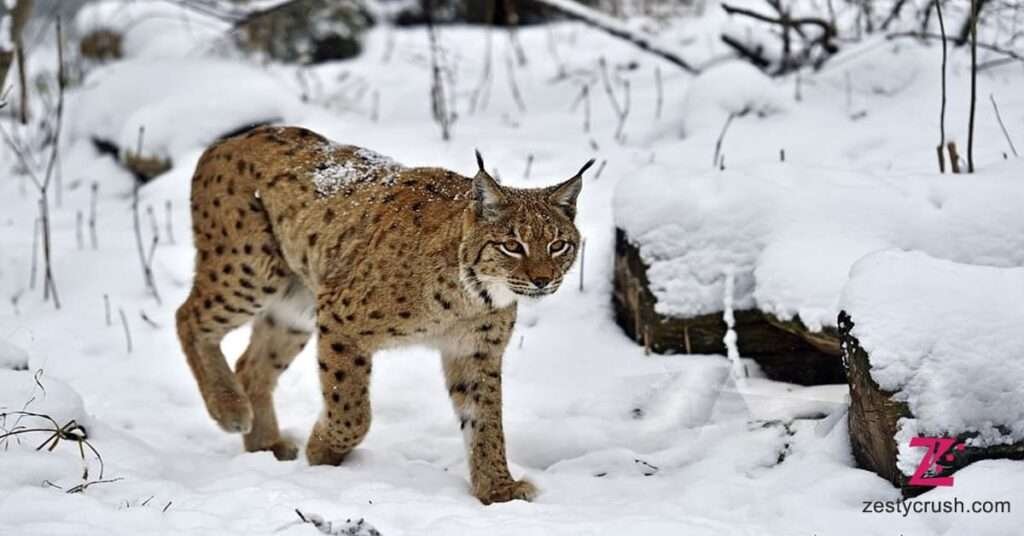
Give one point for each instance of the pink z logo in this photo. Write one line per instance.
(938, 450)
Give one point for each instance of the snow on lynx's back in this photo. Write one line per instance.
(382, 255)
(336, 174)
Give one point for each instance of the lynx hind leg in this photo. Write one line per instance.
(200, 331)
(279, 334)
(238, 271)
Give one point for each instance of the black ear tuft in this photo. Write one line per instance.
(585, 167)
(479, 161)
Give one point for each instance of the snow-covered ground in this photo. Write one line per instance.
(619, 442)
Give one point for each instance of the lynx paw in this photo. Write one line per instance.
(232, 411)
(319, 452)
(512, 490)
(284, 450)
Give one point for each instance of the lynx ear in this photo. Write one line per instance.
(488, 194)
(564, 195)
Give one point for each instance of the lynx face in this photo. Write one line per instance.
(520, 242)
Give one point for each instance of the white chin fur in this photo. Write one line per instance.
(501, 296)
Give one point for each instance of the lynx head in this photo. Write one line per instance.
(518, 242)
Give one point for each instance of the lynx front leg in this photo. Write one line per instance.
(472, 366)
(345, 382)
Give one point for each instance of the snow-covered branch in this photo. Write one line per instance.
(617, 28)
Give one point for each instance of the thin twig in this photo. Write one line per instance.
(35, 254)
(621, 109)
(106, 309)
(85, 485)
(70, 431)
(715, 162)
(480, 95)
(999, 118)
(942, 111)
(148, 320)
(894, 14)
(169, 211)
(512, 24)
(79, 235)
(583, 97)
(613, 27)
(49, 287)
(154, 229)
(517, 96)
(93, 238)
(984, 46)
(144, 260)
(438, 102)
(975, 8)
(786, 22)
(560, 72)
(127, 332)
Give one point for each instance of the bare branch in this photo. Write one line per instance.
(621, 109)
(716, 162)
(942, 111)
(127, 332)
(975, 8)
(984, 46)
(999, 118)
(613, 27)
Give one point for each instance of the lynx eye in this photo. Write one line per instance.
(558, 247)
(511, 247)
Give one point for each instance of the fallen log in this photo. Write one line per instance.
(874, 421)
(785, 350)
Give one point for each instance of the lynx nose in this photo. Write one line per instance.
(540, 282)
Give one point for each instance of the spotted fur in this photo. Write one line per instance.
(300, 235)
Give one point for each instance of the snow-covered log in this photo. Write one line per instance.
(785, 350)
(133, 109)
(933, 350)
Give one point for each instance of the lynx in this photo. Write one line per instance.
(299, 234)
